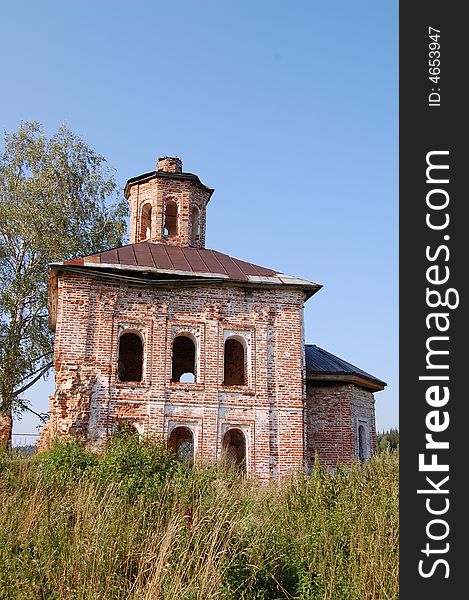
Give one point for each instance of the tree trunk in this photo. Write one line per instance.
(6, 428)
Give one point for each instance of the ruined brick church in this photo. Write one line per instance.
(199, 347)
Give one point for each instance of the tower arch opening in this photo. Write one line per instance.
(195, 225)
(145, 229)
(170, 227)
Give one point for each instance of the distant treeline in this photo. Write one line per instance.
(388, 440)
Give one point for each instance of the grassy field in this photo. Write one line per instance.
(136, 524)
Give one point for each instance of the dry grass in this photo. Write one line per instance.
(199, 535)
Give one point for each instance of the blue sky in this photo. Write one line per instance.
(289, 110)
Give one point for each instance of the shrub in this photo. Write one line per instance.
(138, 464)
(66, 462)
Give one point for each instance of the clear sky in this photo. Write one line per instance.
(288, 109)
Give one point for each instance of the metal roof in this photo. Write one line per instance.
(164, 259)
(166, 175)
(321, 362)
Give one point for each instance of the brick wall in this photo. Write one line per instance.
(363, 411)
(89, 398)
(170, 164)
(156, 193)
(333, 414)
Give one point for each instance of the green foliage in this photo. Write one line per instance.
(55, 203)
(138, 465)
(194, 533)
(66, 462)
(388, 441)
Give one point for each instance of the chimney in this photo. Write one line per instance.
(169, 164)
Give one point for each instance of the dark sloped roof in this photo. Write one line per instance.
(166, 175)
(321, 362)
(152, 257)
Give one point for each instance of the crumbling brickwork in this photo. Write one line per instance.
(334, 413)
(90, 400)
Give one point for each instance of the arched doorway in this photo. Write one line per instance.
(181, 442)
(234, 448)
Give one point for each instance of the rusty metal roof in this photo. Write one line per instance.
(153, 257)
(322, 363)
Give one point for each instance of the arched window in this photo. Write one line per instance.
(195, 224)
(183, 360)
(170, 228)
(234, 363)
(234, 448)
(145, 231)
(362, 447)
(181, 442)
(130, 361)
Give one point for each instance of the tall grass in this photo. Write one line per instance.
(135, 524)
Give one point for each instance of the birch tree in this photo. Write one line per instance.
(58, 200)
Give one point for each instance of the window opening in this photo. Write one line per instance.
(146, 223)
(183, 362)
(195, 224)
(130, 361)
(170, 221)
(234, 363)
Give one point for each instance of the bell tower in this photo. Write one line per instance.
(168, 206)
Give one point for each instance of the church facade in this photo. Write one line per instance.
(199, 347)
